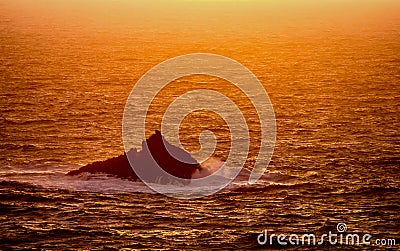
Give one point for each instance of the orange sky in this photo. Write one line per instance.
(221, 15)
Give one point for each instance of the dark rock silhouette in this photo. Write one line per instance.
(155, 150)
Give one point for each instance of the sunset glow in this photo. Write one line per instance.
(305, 122)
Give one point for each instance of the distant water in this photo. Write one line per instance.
(63, 89)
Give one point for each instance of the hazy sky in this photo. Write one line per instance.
(220, 15)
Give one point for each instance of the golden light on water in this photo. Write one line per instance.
(181, 14)
(331, 70)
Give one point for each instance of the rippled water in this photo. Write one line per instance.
(63, 87)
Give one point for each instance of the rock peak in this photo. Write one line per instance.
(156, 152)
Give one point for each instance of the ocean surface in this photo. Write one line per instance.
(64, 81)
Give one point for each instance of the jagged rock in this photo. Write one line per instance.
(156, 148)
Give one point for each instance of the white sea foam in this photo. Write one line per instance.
(54, 177)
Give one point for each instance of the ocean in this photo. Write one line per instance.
(66, 73)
